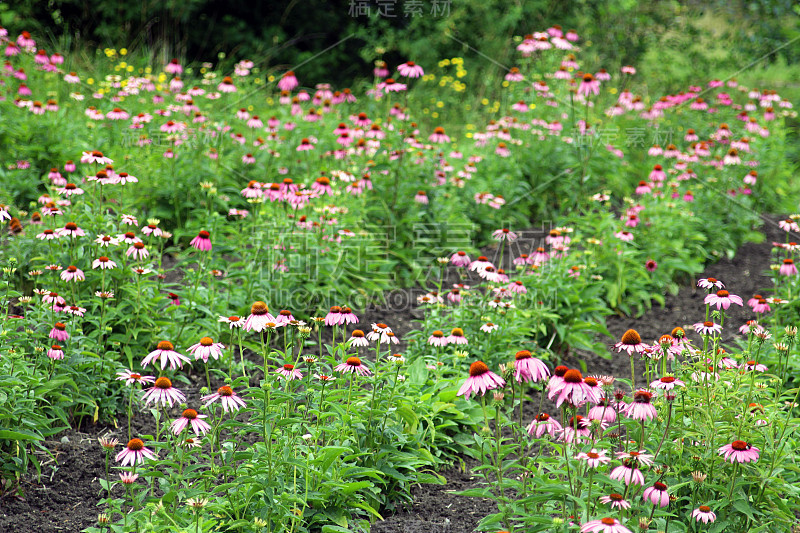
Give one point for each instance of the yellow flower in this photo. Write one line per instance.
(270, 101)
(531, 106)
(148, 70)
(271, 78)
(122, 64)
(461, 73)
(162, 78)
(469, 135)
(457, 61)
(444, 63)
(435, 114)
(203, 70)
(613, 90)
(440, 104)
(485, 101)
(250, 108)
(506, 83)
(123, 51)
(90, 81)
(442, 82)
(470, 126)
(130, 68)
(425, 111)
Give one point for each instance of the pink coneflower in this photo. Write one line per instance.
(604, 410)
(437, 338)
(128, 478)
(202, 242)
(103, 263)
(542, 424)
(206, 348)
(232, 321)
(106, 240)
(710, 283)
(74, 310)
(73, 273)
(421, 197)
(288, 81)
(571, 389)
(284, 317)
(480, 264)
(788, 268)
(190, 416)
(53, 298)
(704, 514)
(528, 368)
(739, 452)
(480, 379)
(504, 235)
(229, 399)
(95, 157)
(627, 473)
(357, 339)
(789, 225)
(625, 236)
(55, 352)
(162, 392)
(333, 316)
(70, 189)
(134, 453)
(173, 67)
(289, 372)
(657, 494)
(457, 337)
(460, 259)
(617, 501)
(130, 377)
(631, 342)
(59, 332)
(589, 85)
(410, 70)
(70, 229)
(439, 136)
(667, 383)
(226, 86)
(167, 354)
(604, 525)
(259, 317)
(353, 365)
(347, 316)
(641, 408)
(641, 457)
(138, 251)
(174, 298)
(594, 458)
(489, 327)
(707, 328)
(514, 75)
(650, 265)
(722, 299)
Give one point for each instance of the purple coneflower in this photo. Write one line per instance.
(667, 383)
(631, 342)
(710, 283)
(707, 328)
(259, 317)
(357, 339)
(604, 525)
(528, 368)
(627, 473)
(480, 379)
(166, 352)
(460, 259)
(542, 424)
(190, 416)
(739, 451)
(704, 514)
(617, 501)
(202, 242)
(135, 452)
(457, 336)
(353, 365)
(207, 348)
(657, 494)
(163, 392)
(289, 372)
(594, 458)
(229, 400)
(130, 377)
(59, 332)
(722, 299)
(55, 352)
(641, 408)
